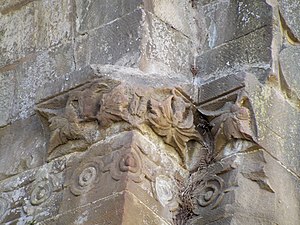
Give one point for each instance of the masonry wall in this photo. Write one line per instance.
(211, 49)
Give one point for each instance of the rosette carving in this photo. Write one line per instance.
(41, 191)
(85, 177)
(209, 192)
(165, 192)
(129, 163)
(204, 191)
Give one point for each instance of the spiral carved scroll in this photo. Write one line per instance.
(85, 177)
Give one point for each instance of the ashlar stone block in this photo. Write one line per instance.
(93, 14)
(115, 43)
(242, 54)
(230, 20)
(27, 151)
(30, 26)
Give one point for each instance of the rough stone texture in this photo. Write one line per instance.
(165, 48)
(90, 13)
(290, 10)
(150, 112)
(6, 96)
(115, 43)
(28, 151)
(33, 195)
(289, 64)
(229, 20)
(277, 126)
(30, 26)
(242, 54)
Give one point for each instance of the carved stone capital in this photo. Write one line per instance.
(103, 107)
(153, 142)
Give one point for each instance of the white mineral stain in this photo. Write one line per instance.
(82, 218)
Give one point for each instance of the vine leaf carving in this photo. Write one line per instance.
(114, 107)
(172, 119)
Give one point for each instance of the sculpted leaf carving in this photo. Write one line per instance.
(230, 123)
(82, 116)
(72, 117)
(173, 119)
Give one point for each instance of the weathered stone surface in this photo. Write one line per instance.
(229, 20)
(115, 43)
(290, 67)
(119, 208)
(27, 150)
(217, 88)
(108, 210)
(286, 196)
(33, 195)
(256, 172)
(243, 54)
(93, 14)
(29, 78)
(278, 127)
(182, 16)
(139, 213)
(290, 10)
(164, 48)
(75, 188)
(6, 96)
(29, 26)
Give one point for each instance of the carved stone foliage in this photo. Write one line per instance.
(85, 115)
(230, 123)
(173, 119)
